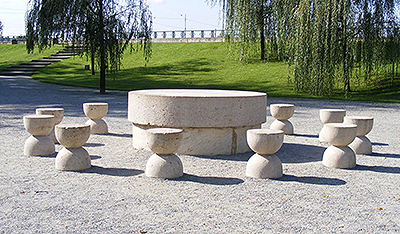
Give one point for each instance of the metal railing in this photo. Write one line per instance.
(188, 34)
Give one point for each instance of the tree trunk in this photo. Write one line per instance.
(102, 49)
(392, 79)
(262, 32)
(92, 60)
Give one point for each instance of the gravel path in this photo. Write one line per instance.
(214, 195)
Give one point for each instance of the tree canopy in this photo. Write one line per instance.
(325, 42)
(102, 28)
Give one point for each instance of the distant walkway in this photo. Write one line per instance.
(27, 69)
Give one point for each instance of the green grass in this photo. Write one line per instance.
(12, 55)
(201, 65)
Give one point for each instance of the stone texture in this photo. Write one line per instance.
(264, 166)
(58, 114)
(96, 110)
(265, 141)
(332, 115)
(340, 134)
(182, 108)
(97, 126)
(202, 141)
(364, 124)
(39, 146)
(361, 145)
(339, 157)
(214, 121)
(164, 141)
(282, 111)
(72, 159)
(285, 125)
(164, 166)
(72, 135)
(39, 125)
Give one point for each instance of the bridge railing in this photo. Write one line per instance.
(188, 34)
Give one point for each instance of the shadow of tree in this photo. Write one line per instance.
(210, 180)
(384, 155)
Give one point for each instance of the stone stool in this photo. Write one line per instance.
(73, 157)
(330, 116)
(361, 144)
(282, 112)
(264, 164)
(95, 112)
(39, 126)
(339, 155)
(164, 142)
(58, 114)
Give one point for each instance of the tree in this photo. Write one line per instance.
(255, 27)
(1, 28)
(102, 28)
(322, 40)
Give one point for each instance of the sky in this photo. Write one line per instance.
(168, 15)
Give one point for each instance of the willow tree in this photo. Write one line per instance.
(102, 28)
(335, 37)
(257, 27)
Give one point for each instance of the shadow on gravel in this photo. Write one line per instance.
(305, 135)
(380, 144)
(381, 169)
(94, 157)
(384, 155)
(93, 145)
(234, 157)
(312, 180)
(120, 134)
(300, 153)
(210, 180)
(112, 171)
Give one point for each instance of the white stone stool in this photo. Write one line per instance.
(95, 112)
(361, 144)
(330, 116)
(58, 114)
(164, 142)
(264, 164)
(282, 112)
(73, 157)
(39, 126)
(339, 155)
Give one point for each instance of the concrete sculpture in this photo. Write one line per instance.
(95, 112)
(361, 144)
(58, 114)
(39, 143)
(282, 113)
(330, 116)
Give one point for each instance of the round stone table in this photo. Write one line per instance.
(214, 122)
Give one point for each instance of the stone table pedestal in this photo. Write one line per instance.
(95, 112)
(330, 116)
(361, 144)
(339, 155)
(39, 126)
(214, 122)
(264, 164)
(164, 142)
(58, 114)
(73, 157)
(281, 113)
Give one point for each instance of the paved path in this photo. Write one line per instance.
(214, 195)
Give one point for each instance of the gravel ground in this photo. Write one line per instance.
(214, 195)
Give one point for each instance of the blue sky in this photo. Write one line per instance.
(168, 15)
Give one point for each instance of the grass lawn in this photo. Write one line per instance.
(203, 65)
(16, 54)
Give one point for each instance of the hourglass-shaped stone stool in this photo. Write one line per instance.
(330, 116)
(95, 112)
(39, 126)
(339, 155)
(361, 144)
(281, 113)
(58, 114)
(264, 164)
(164, 142)
(73, 157)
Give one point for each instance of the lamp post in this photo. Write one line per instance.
(184, 32)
